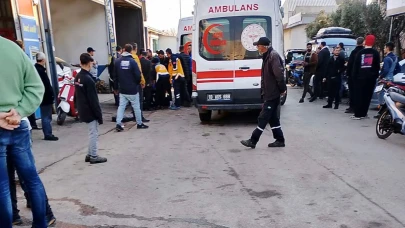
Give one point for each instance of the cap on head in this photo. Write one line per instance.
(90, 49)
(370, 40)
(262, 41)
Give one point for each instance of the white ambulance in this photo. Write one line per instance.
(226, 65)
(185, 30)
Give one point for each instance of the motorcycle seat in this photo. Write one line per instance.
(397, 97)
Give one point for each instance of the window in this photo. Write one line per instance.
(231, 38)
(185, 38)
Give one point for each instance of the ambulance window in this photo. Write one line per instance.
(185, 38)
(247, 31)
(215, 39)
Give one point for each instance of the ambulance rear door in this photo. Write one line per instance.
(250, 23)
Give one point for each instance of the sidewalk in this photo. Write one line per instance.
(72, 135)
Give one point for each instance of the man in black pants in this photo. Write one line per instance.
(185, 62)
(146, 70)
(310, 61)
(273, 85)
(350, 63)
(336, 66)
(323, 59)
(161, 75)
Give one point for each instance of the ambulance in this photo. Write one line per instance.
(184, 33)
(226, 64)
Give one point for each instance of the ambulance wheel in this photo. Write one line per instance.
(205, 116)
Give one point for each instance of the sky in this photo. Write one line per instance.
(165, 14)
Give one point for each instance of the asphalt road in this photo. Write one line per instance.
(180, 173)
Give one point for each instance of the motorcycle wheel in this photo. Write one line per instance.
(283, 99)
(61, 117)
(384, 125)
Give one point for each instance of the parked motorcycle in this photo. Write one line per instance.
(392, 114)
(66, 105)
(295, 75)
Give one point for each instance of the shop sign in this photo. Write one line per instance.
(110, 26)
(30, 35)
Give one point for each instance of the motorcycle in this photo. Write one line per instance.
(66, 105)
(392, 114)
(295, 75)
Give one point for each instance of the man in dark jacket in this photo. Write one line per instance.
(273, 85)
(323, 59)
(88, 106)
(366, 69)
(336, 66)
(146, 66)
(163, 60)
(349, 71)
(310, 62)
(127, 84)
(185, 62)
(48, 99)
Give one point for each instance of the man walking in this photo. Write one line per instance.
(94, 68)
(128, 79)
(336, 66)
(88, 106)
(185, 62)
(146, 67)
(365, 73)
(321, 67)
(273, 85)
(21, 93)
(48, 100)
(311, 60)
(349, 72)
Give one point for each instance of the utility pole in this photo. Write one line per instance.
(180, 8)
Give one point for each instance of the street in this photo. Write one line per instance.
(333, 172)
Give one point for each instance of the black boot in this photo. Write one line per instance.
(327, 106)
(248, 143)
(336, 106)
(301, 100)
(277, 144)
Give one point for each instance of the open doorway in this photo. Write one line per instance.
(7, 26)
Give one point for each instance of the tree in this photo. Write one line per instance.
(321, 21)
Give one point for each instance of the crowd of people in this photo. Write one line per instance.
(362, 68)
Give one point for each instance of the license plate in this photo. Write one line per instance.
(219, 97)
(378, 88)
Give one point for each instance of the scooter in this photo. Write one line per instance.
(392, 114)
(295, 75)
(66, 105)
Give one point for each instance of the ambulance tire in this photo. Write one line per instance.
(205, 116)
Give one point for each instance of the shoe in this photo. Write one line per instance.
(142, 126)
(17, 222)
(336, 107)
(145, 120)
(51, 138)
(301, 100)
(327, 106)
(349, 110)
(312, 99)
(98, 159)
(174, 108)
(277, 144)
(321, 98)
(248, 143)
(51, 220)
(36, 128)
(87, 159)
(119, 128)
(356, 118)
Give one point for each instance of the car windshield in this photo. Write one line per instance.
(298, 57)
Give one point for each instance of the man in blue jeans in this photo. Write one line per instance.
(47, 101)
(127, 81)
(21, 93)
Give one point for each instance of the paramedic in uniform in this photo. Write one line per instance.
(272, 86)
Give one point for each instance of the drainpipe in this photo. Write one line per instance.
(45, 15)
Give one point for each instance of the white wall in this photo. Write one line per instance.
(295, 37)
(166, 42)
(77, 25)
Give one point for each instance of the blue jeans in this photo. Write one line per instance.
(135, 103)
(17, 145)
(46, 119)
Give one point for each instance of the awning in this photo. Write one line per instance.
(129, 3)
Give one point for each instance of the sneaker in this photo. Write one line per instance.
(356, 118)
(327, 106)
(51, 138)
(98, 159)
(142, 126)
(145, 120)
(87, 159)
(119, 128)
(248, 143)
(17, 222)
(277, 144)
(51, 220)
(174, 108)
(301, 100)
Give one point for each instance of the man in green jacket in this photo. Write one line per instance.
(21, 93)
